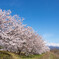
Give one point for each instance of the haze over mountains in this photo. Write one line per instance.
(53, 45)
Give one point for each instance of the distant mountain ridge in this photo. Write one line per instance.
(53, 47)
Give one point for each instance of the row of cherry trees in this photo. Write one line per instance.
(17, 37)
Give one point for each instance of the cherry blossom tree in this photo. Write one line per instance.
(17, 37)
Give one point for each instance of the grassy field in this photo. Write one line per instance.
(9, 55)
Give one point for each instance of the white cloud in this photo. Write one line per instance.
(53, 44)
(49, 38)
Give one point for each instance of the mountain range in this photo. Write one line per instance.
(53, 47)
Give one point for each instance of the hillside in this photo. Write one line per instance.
(9, 55)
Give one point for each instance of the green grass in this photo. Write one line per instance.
(31, 57)
(9, 55)
(4, 55)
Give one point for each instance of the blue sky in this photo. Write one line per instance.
(42, 15)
